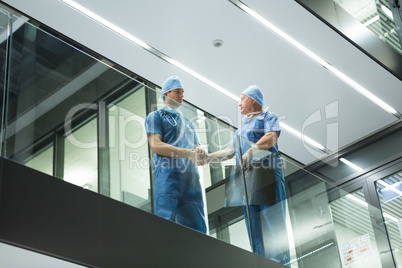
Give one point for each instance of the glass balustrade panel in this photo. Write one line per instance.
(5, 19)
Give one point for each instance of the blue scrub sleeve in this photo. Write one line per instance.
(271, 123)
(153, 123)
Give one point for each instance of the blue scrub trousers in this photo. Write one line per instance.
(268, 225)
(178, 195)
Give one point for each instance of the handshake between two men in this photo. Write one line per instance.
(199, 156)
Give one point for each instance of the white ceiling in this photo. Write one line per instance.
(294, 86)
(14, 257)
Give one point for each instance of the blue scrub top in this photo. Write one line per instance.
(175, 130)
(253, 130)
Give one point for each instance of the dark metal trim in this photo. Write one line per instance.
(58, 155)
(103, 149)
(4, 105)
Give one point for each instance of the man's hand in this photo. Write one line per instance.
(199, 156)
(246, 158)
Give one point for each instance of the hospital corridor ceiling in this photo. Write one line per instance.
(307, 97)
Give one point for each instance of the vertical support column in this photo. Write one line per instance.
(378, 223)
(58, 155)
(215, 168)
(395, 6)
(103, 150)
(150, 106)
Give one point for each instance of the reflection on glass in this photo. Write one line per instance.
(128, 152)
(43, 161)
(4, 26)
(312, 231)
(376, 16)
(219, 135)
(236, 234)
(354, 231)
(47, 79)
(81, 157)
(390, 194)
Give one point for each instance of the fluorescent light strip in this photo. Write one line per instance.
(390, 217)
(303, 137)
(106, 23)
(142, 44)
(383, 183)
(350, 164)
(357, 200)
(387, 12)
(316, 58)
(163, 56)
(371, 21)
(390, 187)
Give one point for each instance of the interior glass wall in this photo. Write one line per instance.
(389, 192)
(42, 160)
(130, 177)
(80, 156)
(356, 238)
(5, 18)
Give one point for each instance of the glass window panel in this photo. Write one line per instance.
(390, 194)
(356, 240)
(310, 229)
(218, 136)
(376, 15)
(42, 161)
(213, 235)
(237, 235)
(128, 146)
(81, 157)
(48, 79)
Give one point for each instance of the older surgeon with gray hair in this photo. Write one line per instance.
(259, 133)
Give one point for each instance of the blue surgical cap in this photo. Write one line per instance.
(171, 83)
(255, 93)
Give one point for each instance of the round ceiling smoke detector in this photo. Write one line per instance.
(217, 43)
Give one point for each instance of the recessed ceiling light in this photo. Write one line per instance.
(217, 43)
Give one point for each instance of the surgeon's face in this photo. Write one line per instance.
(174, 97)
(246, 104)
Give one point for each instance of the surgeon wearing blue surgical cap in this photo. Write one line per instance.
(174, 143)
(260, 131)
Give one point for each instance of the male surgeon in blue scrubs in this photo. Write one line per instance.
(173, 140)
(260, 132)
